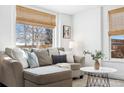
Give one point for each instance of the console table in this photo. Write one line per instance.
(98, 77)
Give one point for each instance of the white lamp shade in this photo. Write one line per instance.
(72, 44)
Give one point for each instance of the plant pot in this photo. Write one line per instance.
(97, 65)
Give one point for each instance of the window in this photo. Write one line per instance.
(116, 33)
(34, 28)
(117, 46)
(33, 36)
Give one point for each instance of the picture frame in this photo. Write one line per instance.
(66, 32)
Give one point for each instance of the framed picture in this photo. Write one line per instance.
(66, 32)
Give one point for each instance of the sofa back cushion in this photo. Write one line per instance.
(32, 60)
(9, 52)
(59, 59)
(21, 56)
(53, 51)
(61, 49)
(43, 57)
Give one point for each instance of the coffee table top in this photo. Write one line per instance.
(101, 70)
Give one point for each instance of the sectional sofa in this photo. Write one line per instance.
(17, 74)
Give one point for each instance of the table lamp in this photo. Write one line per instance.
(72, 44)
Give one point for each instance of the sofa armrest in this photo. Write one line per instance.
(79, 59)
(11, 72)
(18, 72)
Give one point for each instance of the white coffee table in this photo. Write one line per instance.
(98, 77)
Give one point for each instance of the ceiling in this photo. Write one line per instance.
(66, 9)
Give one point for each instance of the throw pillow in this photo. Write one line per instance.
(32, 60)
(59, 59)
(43, 57)
(69, 55)
(21, 56)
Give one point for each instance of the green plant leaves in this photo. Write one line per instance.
(96, 56)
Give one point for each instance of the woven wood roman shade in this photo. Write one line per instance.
(116, 22)
(34, 17)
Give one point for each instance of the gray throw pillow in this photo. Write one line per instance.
(43, 57)
(32, 60)
(9, 52)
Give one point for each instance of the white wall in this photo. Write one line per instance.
(7, 26)
(64, 20)
(87, 30)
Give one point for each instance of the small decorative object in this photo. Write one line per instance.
(66, 32)
(96, 56)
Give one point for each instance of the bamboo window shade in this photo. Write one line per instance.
(34, 17)
(116, 21)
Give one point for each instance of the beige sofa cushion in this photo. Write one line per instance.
(53, 51)
(75, 66)
(61, 49)
(47, 74)
(43, 57)
(9, 52)
(72, 66)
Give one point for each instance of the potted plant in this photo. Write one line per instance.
(95, 56)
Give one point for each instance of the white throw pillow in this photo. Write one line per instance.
(69, 55)
(21, 56)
